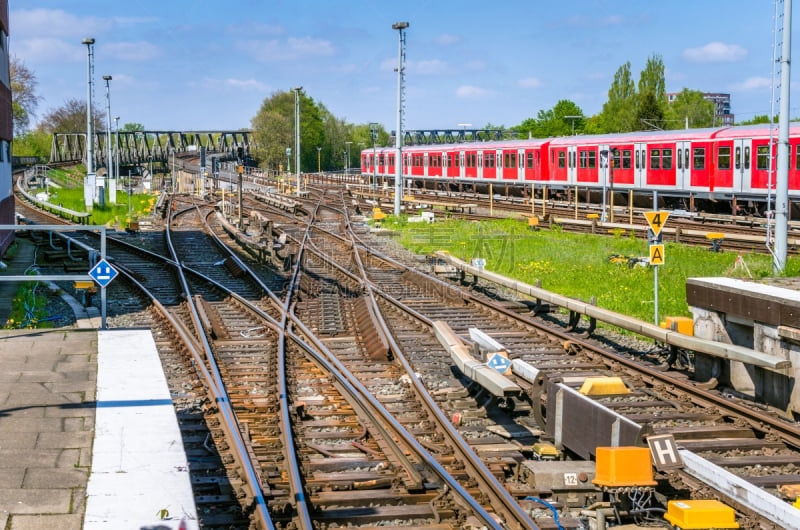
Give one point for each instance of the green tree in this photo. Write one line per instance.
(689, 105)
(24, 100)
(71, 117)
(759, 119)
(554, 122)
(651, 79)
(273, 130)
(649, 112)
(132, 127)
(618, 114)
(36, 142)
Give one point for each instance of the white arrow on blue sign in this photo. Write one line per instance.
(103, 273)
(499, 363)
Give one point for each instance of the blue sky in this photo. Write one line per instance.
(209, 65)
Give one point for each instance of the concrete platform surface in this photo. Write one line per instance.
(47, 415)
(140, 474)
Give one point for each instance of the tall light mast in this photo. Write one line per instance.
(398, 163)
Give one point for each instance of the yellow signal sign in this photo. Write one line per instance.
(656, 254)
(656, 220)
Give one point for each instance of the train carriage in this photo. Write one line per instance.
(700, 163)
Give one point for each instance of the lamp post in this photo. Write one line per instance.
(319, 160)
(116, 152)
(89, 183)
(112, 189)
(288, 164)
(297, 134)
(573, 118)
(398, 179)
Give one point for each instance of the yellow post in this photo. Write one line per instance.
(544, 201)
(630, 207)
(491, 201)
(576, 202)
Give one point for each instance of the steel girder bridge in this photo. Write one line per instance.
(140, 147)
(451, 136)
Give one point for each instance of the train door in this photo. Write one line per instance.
(603, 163)
(572, 164)
(640, 165)
(521, 165)
(742, 148)
(683, 168)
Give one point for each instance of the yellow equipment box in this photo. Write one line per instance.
(684, 325)
(623, 466)
(688, 515)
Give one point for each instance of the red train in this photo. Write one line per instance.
(720, 163)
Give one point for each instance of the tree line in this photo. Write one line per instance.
(331, 143)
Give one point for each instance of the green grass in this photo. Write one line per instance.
(28, 307)
(72, 198)
(576, 265)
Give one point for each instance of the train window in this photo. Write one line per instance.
(592, 160)
(747, 157)
(537, 158)
(686, 158)
(616, 158)
(666, 159)
(522, 160)
(724, 157)
(391, 160)
(552, 158)
(561, 160)
(511, 160)
(637, 159)
(530, 160)
(737, 158)
(762, 157)
(699, 158)
(584, 157)
(680, 160)
(488, 160)
(655, 159)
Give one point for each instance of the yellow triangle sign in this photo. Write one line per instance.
(656, 220)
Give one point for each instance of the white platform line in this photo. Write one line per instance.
(139, 465)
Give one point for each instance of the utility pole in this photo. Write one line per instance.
(398, 163)
(297, 134)
(782, 212)
(89, 183)
(110, 185)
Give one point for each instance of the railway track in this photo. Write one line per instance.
(346, 317)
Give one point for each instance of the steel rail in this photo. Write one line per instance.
(261, 511)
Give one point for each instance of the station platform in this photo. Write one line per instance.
(763, 315)
(88, 433)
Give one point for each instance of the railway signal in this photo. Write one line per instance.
(656, 220)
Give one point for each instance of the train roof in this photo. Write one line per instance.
(710, 133)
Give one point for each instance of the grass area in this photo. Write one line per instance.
(577, 265)
(141, 204)
(28, 307)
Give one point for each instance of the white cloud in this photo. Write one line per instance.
(239, 84)
(715, 52)
(471, 92)
(529, 82)
(446, 39)
(47, 50)
(55, 23)
(432, 66)
(130, 51)
(290, 49)
(753, 83)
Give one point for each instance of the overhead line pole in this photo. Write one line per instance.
(398, 163)
(782, 213)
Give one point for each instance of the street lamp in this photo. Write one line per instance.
(373, 130)
(319, 160)
(398, 179)
(297, 134)
(573, 118)
(116, 151)
(112, 191)
(89, 183)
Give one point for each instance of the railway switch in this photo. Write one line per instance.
(698, 514)
(624, 467)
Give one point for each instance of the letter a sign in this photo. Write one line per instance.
(656, 254)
